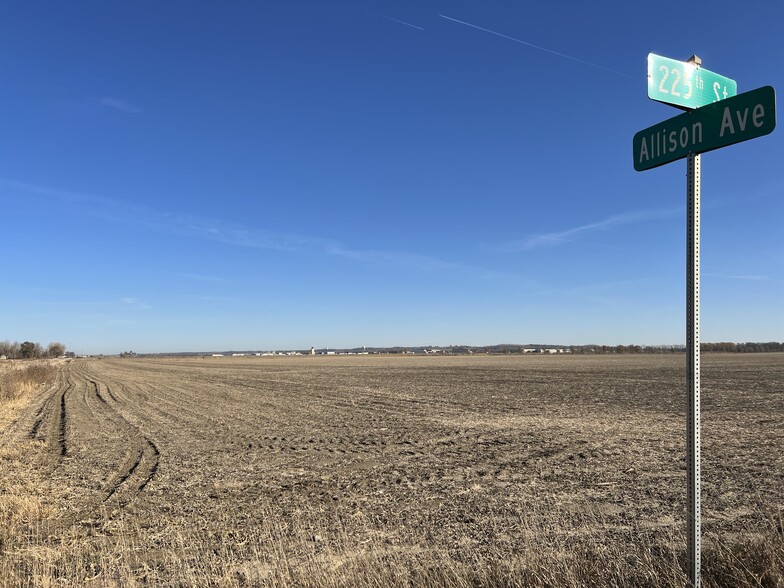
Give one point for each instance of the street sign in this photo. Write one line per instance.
(713, 120)
(743, 117)
(684, 85)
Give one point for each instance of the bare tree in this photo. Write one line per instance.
(55, 349)
(10, 350)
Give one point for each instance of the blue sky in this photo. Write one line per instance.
(261, 175)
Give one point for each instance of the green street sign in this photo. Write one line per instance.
(743, 117)
(684, 85)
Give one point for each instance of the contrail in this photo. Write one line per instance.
(540, 48)
(408, 24)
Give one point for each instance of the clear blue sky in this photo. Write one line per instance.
(261, 175)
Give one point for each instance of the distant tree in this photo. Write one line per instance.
(10, 350)
(55, 349)
(28, 350)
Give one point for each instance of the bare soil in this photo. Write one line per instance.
(242, 471)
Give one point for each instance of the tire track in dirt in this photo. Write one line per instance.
(110, 393)
(82, 440)
(40, 435)
(28, 424)
(142, 459)
(145, 461)
(97, 390)
(62, 423)
(39, 419)
(178, 409)
(51, 420)
(166, 415)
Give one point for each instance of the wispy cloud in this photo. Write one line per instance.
(242, 236)
(538, 47)
(572, 234)
(203, 278)
(135, 303)
(204, 298)
(238, 235)
(408, 24)
(120, 104)
(743, 277)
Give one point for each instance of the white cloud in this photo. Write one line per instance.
(135, 303)
(121, 104)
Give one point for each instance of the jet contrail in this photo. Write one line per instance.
(540, 48)
(408, 24)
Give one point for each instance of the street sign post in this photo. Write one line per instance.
(693, 443)
(686, 85)
(713, 121)
(743, 117)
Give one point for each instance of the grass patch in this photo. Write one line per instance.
(20, 379)
(289, 556)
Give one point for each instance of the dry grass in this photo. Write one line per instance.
(439, 474)
(318, 553)
(21, 378)
(20, 381)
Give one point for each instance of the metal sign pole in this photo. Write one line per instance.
(693, 363)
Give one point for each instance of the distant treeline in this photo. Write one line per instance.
(725, 347)
(511, 348)
(30, 350)
(743, 347)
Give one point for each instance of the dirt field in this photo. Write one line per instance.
(352, 470)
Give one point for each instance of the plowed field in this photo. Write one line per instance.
(248, 471)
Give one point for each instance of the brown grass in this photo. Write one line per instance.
(22, 378)
(295, 556)
(446, 473)
(20, 381)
